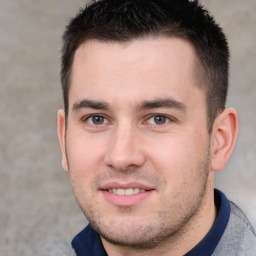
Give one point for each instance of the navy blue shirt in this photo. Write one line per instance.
(88, 242)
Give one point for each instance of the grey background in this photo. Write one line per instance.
(37, 206)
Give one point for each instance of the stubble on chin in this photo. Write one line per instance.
(130, 233)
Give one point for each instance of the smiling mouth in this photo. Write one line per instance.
(126, 192)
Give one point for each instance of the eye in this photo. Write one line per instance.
(96, 120)
(158, 120)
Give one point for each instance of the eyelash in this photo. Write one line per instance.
(85, 119)
(168, 120)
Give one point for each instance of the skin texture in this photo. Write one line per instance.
(124, 87)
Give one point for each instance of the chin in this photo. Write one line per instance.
(137, 234)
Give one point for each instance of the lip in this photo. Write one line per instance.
(126, 185)
(126, 200)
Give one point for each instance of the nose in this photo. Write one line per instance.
(125, 152)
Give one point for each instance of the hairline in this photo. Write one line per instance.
(199, 72)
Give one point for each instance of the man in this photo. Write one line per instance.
(144, 129)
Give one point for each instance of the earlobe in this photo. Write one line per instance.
(224, 135)
(61, 130)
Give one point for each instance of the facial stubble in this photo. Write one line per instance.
(147, 236)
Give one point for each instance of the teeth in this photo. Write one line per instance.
(127, 192)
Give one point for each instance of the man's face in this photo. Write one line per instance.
(137, 146)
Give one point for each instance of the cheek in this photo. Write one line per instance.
(176, 158)
(84, 157)
(82, 169)
(172, 151)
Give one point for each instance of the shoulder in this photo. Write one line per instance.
(239, 237)
(62, 248)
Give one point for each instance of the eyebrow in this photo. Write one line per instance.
(162, 103)
(93, 104)
(145, 105)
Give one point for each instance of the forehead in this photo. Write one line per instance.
(150, 67)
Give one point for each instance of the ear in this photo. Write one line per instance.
(61, 130)
(224, 135)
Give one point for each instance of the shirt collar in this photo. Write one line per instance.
(207, 246)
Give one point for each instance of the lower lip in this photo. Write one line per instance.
(125, 200)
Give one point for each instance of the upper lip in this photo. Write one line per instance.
(126, 185)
